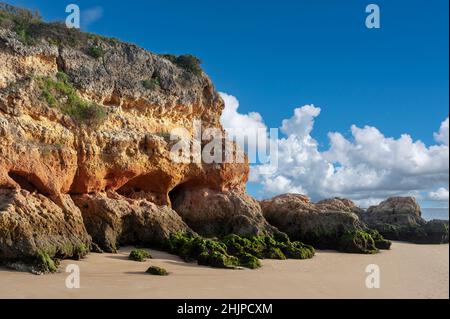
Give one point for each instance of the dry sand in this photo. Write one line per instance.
(407, 271)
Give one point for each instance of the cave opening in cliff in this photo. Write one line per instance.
(153, 186)
(27, 181)
(176, 193)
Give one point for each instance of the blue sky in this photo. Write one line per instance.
(275, 56)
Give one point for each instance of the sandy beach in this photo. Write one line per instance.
(406, 271)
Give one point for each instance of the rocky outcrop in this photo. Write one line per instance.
(114, 220)
(329, 224)
(212, 213)
(399, 218)
(35, 229)
(90, 117)
(127, 147)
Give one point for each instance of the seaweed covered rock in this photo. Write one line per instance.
(35, 230)
(157, 271)
(207, 252)
(233, 250)
(267, 247)
(400, 218)
(359, 242)
(379, 240)
(139, 255)
(329, 224)
(213, 213)
(114, 220)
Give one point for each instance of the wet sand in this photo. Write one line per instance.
(406, 271)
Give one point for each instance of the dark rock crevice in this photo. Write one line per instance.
(29, 182)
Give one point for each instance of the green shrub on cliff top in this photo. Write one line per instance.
(96, 52)
(187, 62)
(20, 21)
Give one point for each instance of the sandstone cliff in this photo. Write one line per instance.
(87, 118)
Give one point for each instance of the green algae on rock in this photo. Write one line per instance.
(139, 255)
(380, 241)
(45, 264)
(329, 224)
(359, 242)
(157, 271)
(233, 250)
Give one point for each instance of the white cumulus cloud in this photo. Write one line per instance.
(248, 130)
(441, 194)
(442, 136)
(366, 167)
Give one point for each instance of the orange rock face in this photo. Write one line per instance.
(45, 149)
(79, 125)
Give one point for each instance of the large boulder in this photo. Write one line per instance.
(329, 224)
(212, 213)
(35, 230)
(399, 218)
(113, 220)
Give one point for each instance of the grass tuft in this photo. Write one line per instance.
(61, 94)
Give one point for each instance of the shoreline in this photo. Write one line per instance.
(406, 271)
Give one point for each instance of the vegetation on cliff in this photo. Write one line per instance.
(21, 21)
(60, 93)
(187, 62)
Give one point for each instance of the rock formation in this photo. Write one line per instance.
(113, 220)
(212, 213)
(329, 224)
(35, 228)
(399, 218)
(89, 118)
